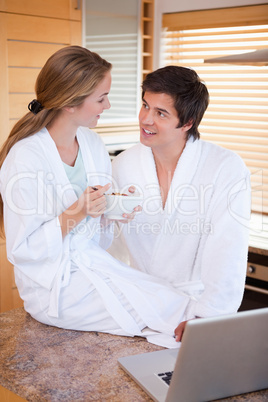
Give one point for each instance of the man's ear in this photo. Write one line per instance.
(188, 125)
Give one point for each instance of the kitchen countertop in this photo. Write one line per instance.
(43, 363)
(256, 250)
(258, 236)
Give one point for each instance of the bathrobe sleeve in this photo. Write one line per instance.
(99, 171)
(222, 254)
(35, 191)
(33, 232)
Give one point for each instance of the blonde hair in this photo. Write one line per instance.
(67, 78)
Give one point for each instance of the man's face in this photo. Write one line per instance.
(158, 121)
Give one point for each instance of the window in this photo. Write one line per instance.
(111, 29)
(237, 117)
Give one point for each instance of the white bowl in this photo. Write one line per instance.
(117, 205)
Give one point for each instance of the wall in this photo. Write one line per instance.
(171, 6)
(30, 31)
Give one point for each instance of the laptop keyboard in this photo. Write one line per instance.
(166, 376)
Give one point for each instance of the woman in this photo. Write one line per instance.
(54, 173)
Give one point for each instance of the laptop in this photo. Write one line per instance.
(219, 357)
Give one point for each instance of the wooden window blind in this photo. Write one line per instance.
(237, 117)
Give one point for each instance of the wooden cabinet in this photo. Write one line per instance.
(9, 296)
(147, 34)
(30, 31)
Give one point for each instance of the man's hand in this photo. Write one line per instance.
(179, 331)
(132, 189)
(129, 217)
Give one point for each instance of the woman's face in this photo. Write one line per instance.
(88, 113)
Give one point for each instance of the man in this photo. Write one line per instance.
(193, 229)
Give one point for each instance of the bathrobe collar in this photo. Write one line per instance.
(183, 175)
(56, 164)
(66, 197)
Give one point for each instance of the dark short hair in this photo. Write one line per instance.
(191, 97)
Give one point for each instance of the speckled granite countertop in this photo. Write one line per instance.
(42, 363)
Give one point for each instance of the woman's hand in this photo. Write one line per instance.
(91, 203)
(93, 200)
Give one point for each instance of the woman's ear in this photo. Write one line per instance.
(68, 109)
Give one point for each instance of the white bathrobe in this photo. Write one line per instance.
(73, 282)
(199, 241)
